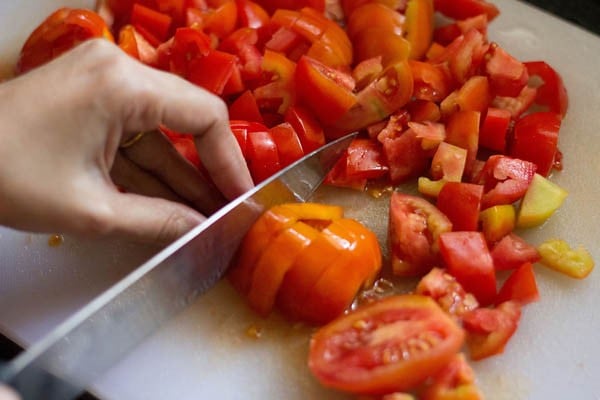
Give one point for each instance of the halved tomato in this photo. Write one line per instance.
(387, 346)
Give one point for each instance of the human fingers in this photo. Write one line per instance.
(155, 154)
(7, 393)
(150, 219)
(182, 106)
(130, 177)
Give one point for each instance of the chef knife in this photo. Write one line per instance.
(78, 351)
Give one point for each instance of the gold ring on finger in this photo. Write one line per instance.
(132, 140)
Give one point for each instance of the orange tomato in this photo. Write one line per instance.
(306, 259)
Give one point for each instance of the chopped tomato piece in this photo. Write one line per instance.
(414, 227)
(431, 81)
(461, 202)
(512, 251)
(489, 329)
(468, 258)
(365, 159)
(263, 157)
(520, 286)
(505, 179)
(508, 76)
(494, 129)
(461, 9)
(559, 256)
(245, 108)
(320, 89)
(552, 92)
(462, 130)
(152, 21)
(456, 381)
(391, 345)
(535, 139)
(447, 292)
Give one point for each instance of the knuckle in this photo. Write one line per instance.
(175, 225)
(95, 221)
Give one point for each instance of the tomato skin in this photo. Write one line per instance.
(390, 90)
(494, 129)
(552, 93)
(489, 329)
(365, 159)
(59, 32)
(414, 227)
(512, 251)
(318, 88)
(447, 292)
(505, 179)
(307, 127)
(468, 258)
(461, 203)
(507, 75)
(520, 286)
(456, 381)
(535, 139)
(360, 351)
(461, 9)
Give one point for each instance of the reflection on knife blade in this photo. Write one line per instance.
(73, 355)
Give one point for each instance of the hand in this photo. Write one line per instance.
(62, 125)
(7, 393)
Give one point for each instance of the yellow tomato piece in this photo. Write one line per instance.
(541, 200)
(419, 27)
(429, 187)
(497, 221)
(559, 256)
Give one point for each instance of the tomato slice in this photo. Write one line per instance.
(276, 259)
(320, 89)
(338, 285)
(307, 127)
(288, 144)
(386, 346)
(419, 26)
(468, 258)
(489, 329)
(413, 230)
(520, 286)
(265, 229)
(263, 157)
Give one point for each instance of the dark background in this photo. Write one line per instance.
(585, 13)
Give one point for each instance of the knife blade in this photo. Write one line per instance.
(79, 350)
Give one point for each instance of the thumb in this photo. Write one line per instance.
(150, 219)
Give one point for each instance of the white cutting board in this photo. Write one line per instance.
(204, 353)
